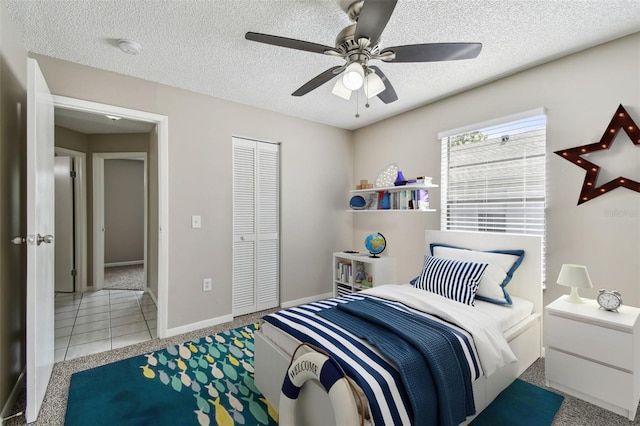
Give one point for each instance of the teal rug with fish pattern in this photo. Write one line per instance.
(207, 381)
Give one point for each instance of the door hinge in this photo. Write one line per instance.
(73, 173)
(74, 272)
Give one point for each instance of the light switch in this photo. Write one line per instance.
(196, 222)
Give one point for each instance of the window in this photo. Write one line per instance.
(493, 176)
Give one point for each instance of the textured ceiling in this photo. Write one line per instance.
(200, 45)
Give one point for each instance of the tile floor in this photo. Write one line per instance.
(92, 322)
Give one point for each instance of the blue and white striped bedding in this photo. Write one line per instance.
(378, 378)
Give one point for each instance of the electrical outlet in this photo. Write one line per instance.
(206, 284)
(196, 222)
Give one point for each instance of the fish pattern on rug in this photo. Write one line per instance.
(202, 382)
(218, 369)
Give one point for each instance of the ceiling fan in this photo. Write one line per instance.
(359, 43)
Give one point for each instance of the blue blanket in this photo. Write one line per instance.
(429, 357)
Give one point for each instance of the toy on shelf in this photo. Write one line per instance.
(361, 275)
(364, 184)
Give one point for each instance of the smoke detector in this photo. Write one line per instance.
(129, 46)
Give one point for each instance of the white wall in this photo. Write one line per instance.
(316, 163)
(580, 92)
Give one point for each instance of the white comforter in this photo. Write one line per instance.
(493, 350)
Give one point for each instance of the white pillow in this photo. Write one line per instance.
(502, 265)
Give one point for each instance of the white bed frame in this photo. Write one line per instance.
(314, 407)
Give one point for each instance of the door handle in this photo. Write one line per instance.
(18, 240)
(46, 239)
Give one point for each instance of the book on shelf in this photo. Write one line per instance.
(404, 199)
(423, 199)
(344, 273)
(373, 201)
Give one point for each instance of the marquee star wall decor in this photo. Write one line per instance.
(620, 120)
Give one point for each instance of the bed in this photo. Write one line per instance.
(519, 323)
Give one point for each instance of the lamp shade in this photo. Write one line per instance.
(353, 76)
(340, 90)
(373, 85)
(574, 276)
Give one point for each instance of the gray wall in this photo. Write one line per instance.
(13, 101)
(123, 210)
(581, 92)
(70, 139)
(313, 218)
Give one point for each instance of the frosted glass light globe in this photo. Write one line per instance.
(353, 76)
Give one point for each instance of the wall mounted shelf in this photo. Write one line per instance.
(402, 202)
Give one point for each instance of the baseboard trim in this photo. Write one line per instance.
(13, 396)
(126, 263)
(198, 325)
(303, 301)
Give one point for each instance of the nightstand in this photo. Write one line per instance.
(594, 354)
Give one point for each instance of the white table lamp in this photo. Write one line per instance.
(574, 276)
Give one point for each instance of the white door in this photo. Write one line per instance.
(268, 185)
(244, 227)
(256, 206)
(40, 247)
(64, 253)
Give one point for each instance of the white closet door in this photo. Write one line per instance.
(268, 209)
(255, 226)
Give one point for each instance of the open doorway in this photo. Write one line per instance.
(92, 319)
(120, 218)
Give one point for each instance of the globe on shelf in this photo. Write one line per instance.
(375, 243)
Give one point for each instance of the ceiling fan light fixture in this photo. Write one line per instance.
(373, 85)
(353, 76)
(340, 90)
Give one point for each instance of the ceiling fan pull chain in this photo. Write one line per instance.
(357, 103)
(367, 98)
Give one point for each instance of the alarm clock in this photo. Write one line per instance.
(609, 300)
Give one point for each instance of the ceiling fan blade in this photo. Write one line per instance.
(288, 42)
(373, 17)
(433, 52)
(389, 94)
(316, 81)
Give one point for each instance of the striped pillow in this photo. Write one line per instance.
(453, 279)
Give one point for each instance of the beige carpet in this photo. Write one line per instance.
(124, 278)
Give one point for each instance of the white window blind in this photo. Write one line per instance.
(493, 177)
